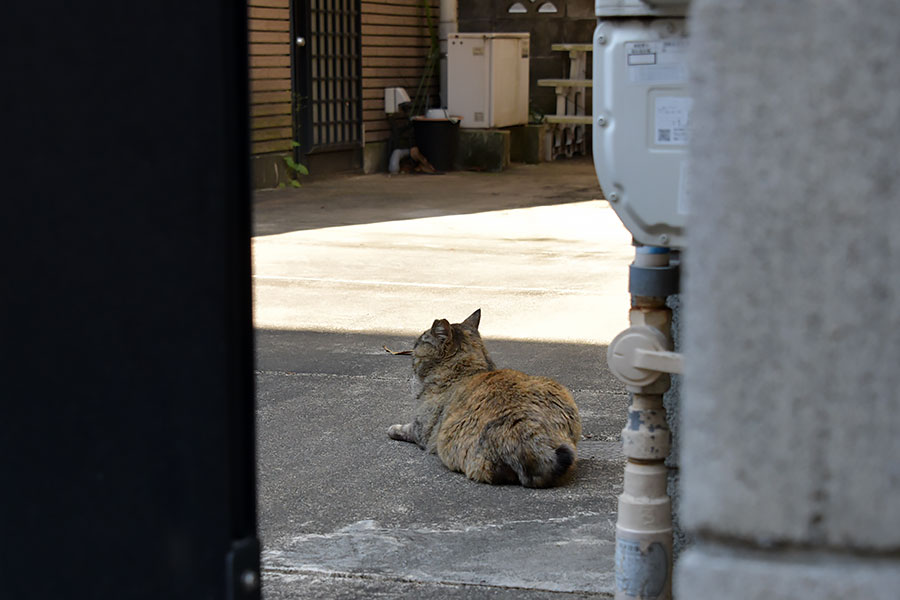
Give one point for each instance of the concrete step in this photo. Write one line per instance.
(571, 553)
(325, 586)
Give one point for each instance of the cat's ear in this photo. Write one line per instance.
(441, 329)
(473, 320)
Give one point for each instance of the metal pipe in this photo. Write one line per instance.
(396, 156)
(644, 524)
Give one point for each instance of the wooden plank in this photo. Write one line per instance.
(419, 49)
(270, 146)
(412, 20)
(394, 61)
(395, 30)
(435, 4)
(380, 124)
(270, 3)
(569, 119)
(270, 97)
(410, 83)
(270, 73)
(381, 8)
(392, 5)
(270, 37)
(269, 85)
(377, 122)
(269, 49)
(565, 83)
(273, 121)
(374, 114)
(370, 72)
(572, 47)
(373, 93)
(268, 25)
(268, 13)
(373, 104)
(416, 41)
(374, 126)
(275, 133)
(280, 108)
(377, 136)
(270, 61)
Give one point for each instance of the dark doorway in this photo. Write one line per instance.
(328, 83)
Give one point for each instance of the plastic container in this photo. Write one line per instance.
(438, 140)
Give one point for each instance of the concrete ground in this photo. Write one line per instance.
(342, 267)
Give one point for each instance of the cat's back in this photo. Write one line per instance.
(510, 394)
(510, 387)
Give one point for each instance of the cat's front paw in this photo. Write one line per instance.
(399, 432)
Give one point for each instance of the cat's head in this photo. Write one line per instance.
(456, 346)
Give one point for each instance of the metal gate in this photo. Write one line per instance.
(327, 74)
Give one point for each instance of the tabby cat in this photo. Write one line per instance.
(496, 426)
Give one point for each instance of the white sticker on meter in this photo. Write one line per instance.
(671, 123)
(657, 62)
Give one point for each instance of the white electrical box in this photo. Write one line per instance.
(641, 110)
(487, 79)
(393, 98)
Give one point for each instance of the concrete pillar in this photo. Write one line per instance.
(790, 455)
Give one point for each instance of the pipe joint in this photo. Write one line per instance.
(653, 281)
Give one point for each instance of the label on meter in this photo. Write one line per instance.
(657, 61)
(671, 125)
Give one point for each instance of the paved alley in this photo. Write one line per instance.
(344, 266)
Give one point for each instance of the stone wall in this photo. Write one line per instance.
(791, 404)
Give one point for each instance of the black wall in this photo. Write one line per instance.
(126, 438)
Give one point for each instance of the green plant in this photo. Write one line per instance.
(431, 64)
(295, 169)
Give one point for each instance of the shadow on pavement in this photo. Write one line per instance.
(340, 502)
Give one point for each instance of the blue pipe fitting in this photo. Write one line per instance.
(654, 281)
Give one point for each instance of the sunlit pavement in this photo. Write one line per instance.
(342, 267)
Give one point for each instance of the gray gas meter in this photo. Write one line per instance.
(641, 113)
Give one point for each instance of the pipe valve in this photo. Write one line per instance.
(640, 354)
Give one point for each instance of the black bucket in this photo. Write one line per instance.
(437, 140)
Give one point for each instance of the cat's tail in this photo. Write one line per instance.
(545, 465)
(565, 458)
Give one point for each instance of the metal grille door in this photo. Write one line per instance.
(330, 85)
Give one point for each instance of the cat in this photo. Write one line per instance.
(495, 426)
